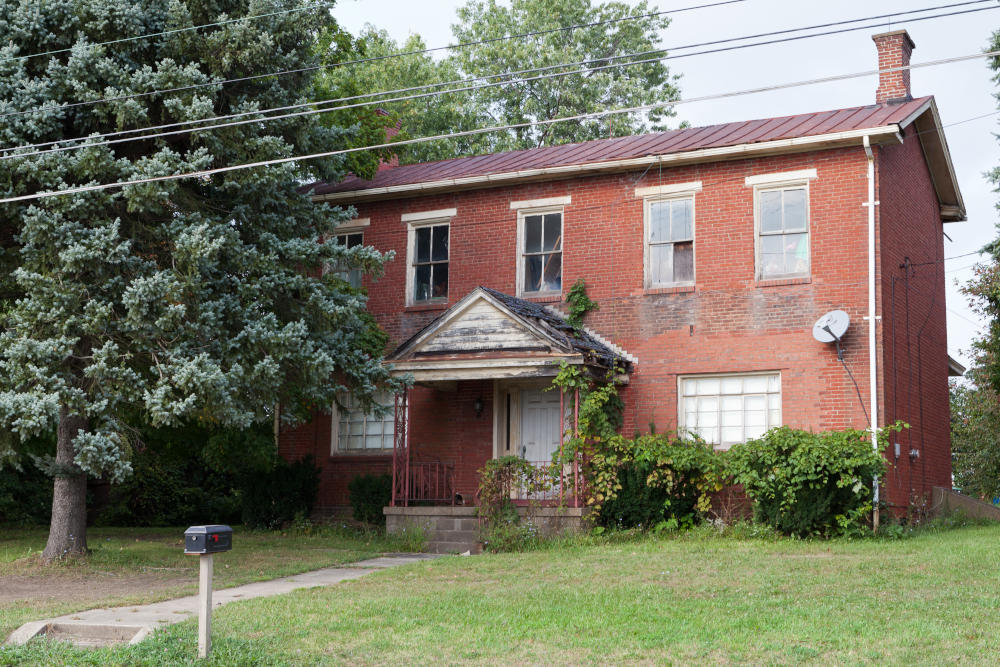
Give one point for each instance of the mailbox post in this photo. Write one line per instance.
(205, 541)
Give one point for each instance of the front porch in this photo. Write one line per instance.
(482, 390)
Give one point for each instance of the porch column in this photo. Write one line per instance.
(401, 450)
(576, 432)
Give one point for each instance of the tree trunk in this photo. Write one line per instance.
(68, 530)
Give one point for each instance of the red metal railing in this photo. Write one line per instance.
(431, 482)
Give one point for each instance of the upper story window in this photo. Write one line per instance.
(729, 409)
(668, 241)
(540, 245)
(781, 203)
(428, 256)
(350, 240)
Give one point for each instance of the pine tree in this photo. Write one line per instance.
(197, 300)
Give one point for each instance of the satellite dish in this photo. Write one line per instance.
(831, 327)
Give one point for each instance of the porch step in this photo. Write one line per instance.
(435, 547)
(452, 541)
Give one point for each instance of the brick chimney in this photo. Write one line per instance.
(894, 49)
(390, 132)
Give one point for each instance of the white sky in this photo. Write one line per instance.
(963, 90)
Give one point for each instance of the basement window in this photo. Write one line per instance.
(729, 409)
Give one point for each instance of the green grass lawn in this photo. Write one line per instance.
(137, 565)
(931, 599)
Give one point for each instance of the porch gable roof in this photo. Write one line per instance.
(492, 334)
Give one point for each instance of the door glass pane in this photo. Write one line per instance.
(423, 245)
(533, 233)
(661, 268)
(422, 283)
(439, 285)
(553, 231)
(681, 215)
(553, 272)
(770, 211)
(795, 209)
(440, 245)
(683, 262)
(533, 273)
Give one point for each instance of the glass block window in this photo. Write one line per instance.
(670, 242)
(430, 263)
(729, 409)
(542, 255)
(783, 228)
(358, 431)
(351, 276)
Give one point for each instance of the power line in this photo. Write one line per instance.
(650, 60)
(436, 93)
(167, 32)
(313, 68)
(551, 121)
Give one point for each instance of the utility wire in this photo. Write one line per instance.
(551, 121)
(310, 112)
(331, 65)
(359, 61)
(167, 32)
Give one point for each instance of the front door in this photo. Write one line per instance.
(539, 425)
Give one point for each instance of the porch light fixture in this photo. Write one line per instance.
(478, 406)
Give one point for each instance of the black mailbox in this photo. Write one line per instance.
(208, 539)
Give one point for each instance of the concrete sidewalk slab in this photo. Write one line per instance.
(100, 627)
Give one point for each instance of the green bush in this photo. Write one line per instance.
(274, 497)
(806, 483)
(501, 526)
(369, 494)
(651, 479)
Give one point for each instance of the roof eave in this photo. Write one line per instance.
(927, 123)
(879, 134)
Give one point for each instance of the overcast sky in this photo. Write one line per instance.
(964, 90)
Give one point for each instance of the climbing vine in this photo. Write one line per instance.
(579, 304)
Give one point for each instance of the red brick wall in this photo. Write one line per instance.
(727, 323)
(915, 354)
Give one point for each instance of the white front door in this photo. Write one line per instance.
(539, 425)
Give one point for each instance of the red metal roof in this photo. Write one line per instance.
(624, 148)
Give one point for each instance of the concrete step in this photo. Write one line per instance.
(92, 635)
(453, 547)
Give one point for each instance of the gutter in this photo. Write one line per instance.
(886, 132)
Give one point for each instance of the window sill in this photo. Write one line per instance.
(782, 282)
(676, 289)
(356, 456)
(542, 298)
(433, 305)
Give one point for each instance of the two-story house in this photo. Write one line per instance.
(710, 251)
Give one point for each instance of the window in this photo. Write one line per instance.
(669, 242)
(357, 431)
(350, 240)
(541, 252)
(729, 409)
(428, 256)
(430, 263)
(783, 232)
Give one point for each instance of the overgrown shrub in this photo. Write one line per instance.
(651, 479)
(274, 497)
(369, 494)
(806, 483)
(501, 526)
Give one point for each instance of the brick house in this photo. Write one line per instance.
(711, 252)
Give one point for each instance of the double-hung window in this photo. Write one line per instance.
(669, 242)
(429, 240)
(350, 240)
(782, 223)
(729, 409)
(357, 431)
(540, 245)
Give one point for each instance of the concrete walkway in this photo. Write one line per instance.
(100, 627)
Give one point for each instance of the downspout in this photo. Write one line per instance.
(872, 369)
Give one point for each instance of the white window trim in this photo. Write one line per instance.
(411, 249)
(770, 186)
(424, 216)
(522, 213)
(540, 203)
(335, 448)
(646, 204)
(345, 231)
(682, 427)
(781, 177)
(669, 189)
(352, 225)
